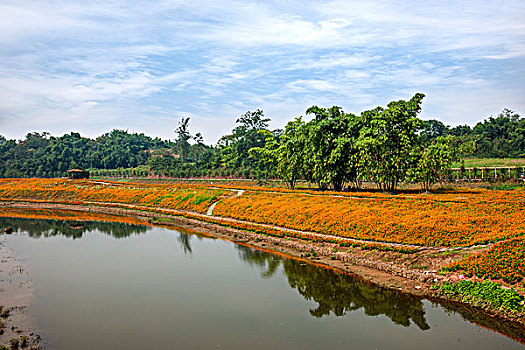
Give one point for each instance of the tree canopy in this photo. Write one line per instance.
(330, 147)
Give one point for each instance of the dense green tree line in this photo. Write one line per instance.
(42, 155)
(334, 149)
(502, 136)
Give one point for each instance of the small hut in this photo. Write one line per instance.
(78, 174)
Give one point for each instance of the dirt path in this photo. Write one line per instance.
(209, 212)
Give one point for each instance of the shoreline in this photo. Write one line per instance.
(16, 294)
(391, 270)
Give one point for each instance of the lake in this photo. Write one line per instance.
(123, 286)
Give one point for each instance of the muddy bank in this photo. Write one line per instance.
(412, 273)
(16, 294)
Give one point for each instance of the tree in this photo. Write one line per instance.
(183, 137)
(290, 157)
(198, 148)
(460, 130)
(434, 160)
(388, 141)
(267, 156)
(235, 147)
(283, 152)
(496, 135)
(518, 139)
(330, 147)
(431, 130)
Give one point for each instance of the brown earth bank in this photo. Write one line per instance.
(415, 273)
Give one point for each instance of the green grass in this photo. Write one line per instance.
(478, 293)
(204, 198)
(506, 187)
(491, 162)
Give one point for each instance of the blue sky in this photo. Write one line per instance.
(91, 66)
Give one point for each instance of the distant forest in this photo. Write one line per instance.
(246, 150)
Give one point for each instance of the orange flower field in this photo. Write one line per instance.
(178, 196)
(504, 261)
(463, 218)
(452, 218)
(455, 218)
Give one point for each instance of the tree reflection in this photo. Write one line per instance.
(42, 228)
(269, 263)
(184, 240)
(339, 293)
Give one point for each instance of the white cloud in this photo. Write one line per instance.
(117, 64)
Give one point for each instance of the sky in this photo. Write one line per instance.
(93, 66)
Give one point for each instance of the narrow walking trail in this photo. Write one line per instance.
(209, 212)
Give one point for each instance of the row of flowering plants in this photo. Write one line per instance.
(504, 261)
(452, 219)
(307, 236)
(167, 196)
(455, 218)
(267, 230)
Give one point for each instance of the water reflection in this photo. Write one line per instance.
(339, 293)
(513, 330)
(70, 228)
(75, 229)
(184, 240)
(335, 293)
(268, 263)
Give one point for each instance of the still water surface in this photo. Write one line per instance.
(119, 286)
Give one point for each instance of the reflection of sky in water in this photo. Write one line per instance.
(167, 288)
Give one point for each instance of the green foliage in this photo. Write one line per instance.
(290, 158)
(205, 198)
(334, 149)
(434, 159)
(183, 137)
(330, 147)
(484, 292)
(234, 148)
(388, 141)
(505, 187)
(473, 162)
(502, 136)
(41, 155)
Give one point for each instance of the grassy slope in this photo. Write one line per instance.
(491, 162)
